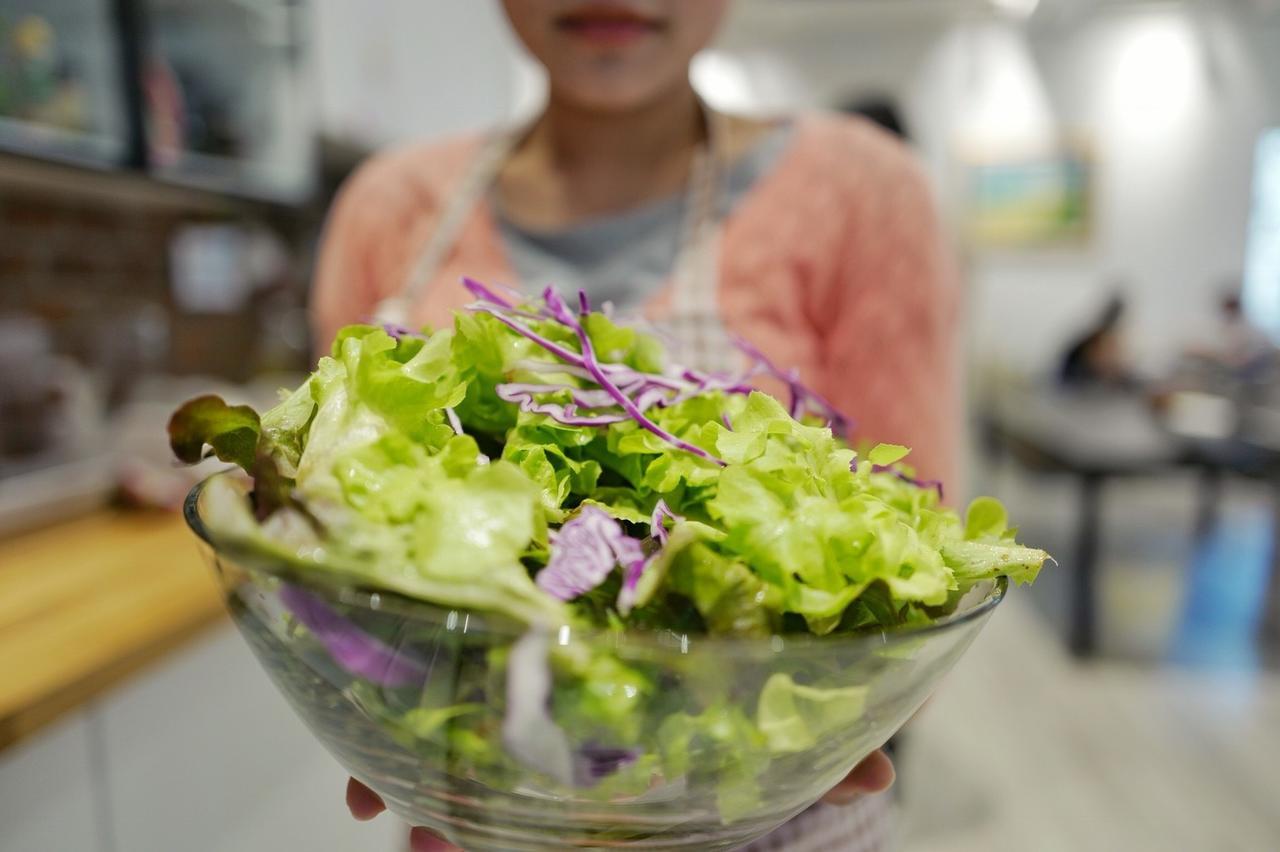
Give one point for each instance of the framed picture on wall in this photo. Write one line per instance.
(1029, 198)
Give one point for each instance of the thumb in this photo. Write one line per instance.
(424, 840)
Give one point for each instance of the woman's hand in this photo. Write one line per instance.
(364, 804)
(873, 775)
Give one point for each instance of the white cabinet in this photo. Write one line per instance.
(199, 754)
(47, 795)
(203, 755)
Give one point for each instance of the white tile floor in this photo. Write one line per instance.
(1171, 742)
(1025, 750)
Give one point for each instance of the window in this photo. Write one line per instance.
(61, 80)
(1262, 261)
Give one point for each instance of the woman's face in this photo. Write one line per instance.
(615, 54)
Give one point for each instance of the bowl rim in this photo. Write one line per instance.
(391, 602)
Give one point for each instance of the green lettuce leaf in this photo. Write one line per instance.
(720, 744)
(728, 595)
(796, 718)
(231, 431)
(396, 466)
(986, 517)
(284, 428)
(887, 454)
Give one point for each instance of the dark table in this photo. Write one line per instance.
(1098, 437)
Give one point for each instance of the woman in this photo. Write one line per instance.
(813, 238)
(1096, 359)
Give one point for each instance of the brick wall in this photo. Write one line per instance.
(59, 253)
(96, 271)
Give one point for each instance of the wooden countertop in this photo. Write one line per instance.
(87, 602)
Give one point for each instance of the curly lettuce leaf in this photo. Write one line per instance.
(729, 596)
(781, 523)
(986, 517)
(445, 467)
(988, 548)
(599, 697)
(230, 431)
(810, 527)
(551, 455)
(285, 427)
(796, 718)
(621, 344)
(404, 503)
(406, 382)
(721, 744)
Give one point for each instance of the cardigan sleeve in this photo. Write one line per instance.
(343, 289)
(889, 349)
(381, 217)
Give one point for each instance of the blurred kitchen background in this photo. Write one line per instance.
(1110, 170)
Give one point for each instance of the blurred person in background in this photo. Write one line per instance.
(814, 237)
(1096, 359)
(1239, 346)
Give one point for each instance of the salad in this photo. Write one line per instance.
(547, 465)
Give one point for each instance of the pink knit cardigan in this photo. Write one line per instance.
(833, 263)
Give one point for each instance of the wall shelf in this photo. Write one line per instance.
(178, 103)
(33, 175)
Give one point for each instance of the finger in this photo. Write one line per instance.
(424, 840)
(362, 802)
(873, 775)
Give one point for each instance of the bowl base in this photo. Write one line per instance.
(472, 815)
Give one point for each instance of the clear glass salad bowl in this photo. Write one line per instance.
(491, 734)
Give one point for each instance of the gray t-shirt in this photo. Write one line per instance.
(624, 258)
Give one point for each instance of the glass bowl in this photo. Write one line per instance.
(503, 738)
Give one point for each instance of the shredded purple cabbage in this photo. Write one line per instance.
(518, 392)
(399, 332)
(566, 355)
(534, 365)
(350, 647)
(561, 313)
(715, 381)
(802, 398)
(624, 392)
(662, 513)
(631, 577)
(486, 294)
(595, 762)
(614, 379)
(935, 484)
(584, 552)
(648, 390)
(526, 396)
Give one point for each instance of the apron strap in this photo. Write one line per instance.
(479, 177)
(697, 319)
(695, 275)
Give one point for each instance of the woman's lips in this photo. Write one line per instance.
(607, 26)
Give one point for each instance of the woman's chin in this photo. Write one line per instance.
(620, 95)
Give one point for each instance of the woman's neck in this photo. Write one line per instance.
(577, 139)
(577, 163)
